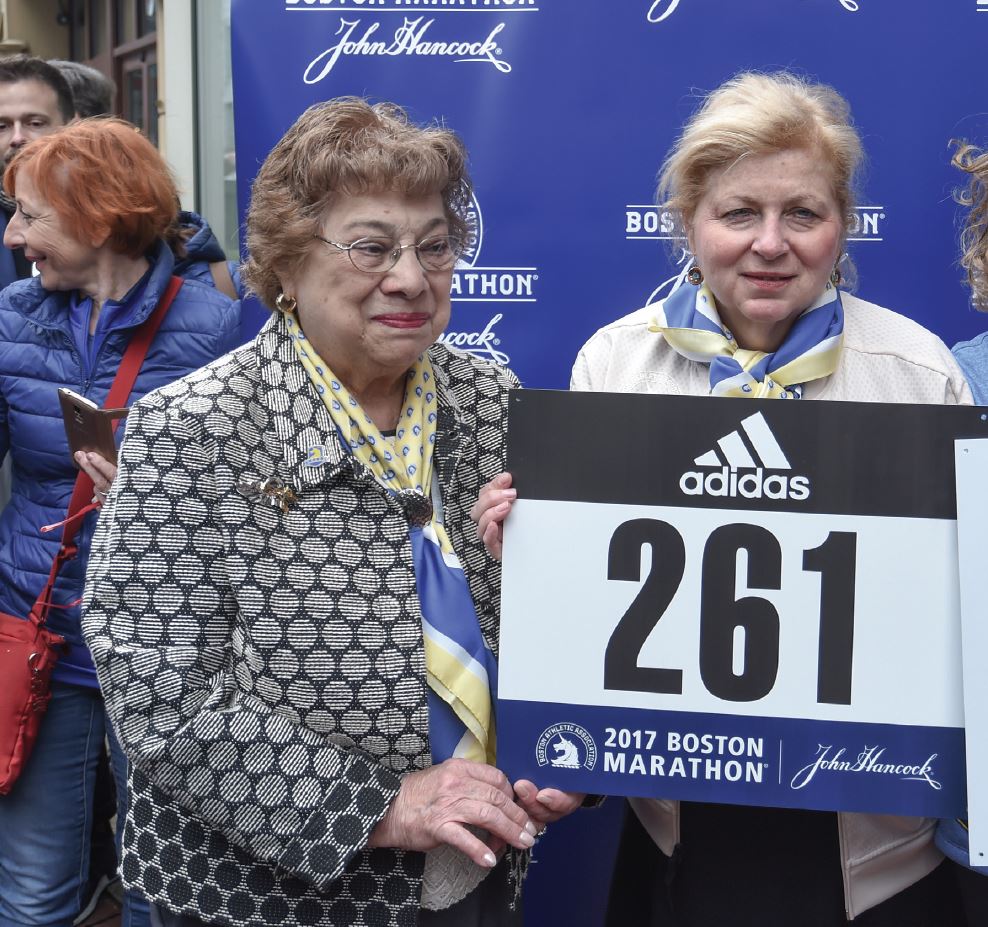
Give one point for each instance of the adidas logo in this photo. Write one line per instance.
(752, 447)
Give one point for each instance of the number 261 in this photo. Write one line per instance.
(721, 613)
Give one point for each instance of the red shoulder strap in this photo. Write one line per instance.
(137, 350)
(120, 389)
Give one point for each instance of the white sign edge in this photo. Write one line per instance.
(971, 467)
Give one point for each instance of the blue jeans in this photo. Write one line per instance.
(45, 821)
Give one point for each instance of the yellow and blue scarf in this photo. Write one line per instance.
(689, 322)
(460, 668)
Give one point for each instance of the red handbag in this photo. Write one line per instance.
(28, 650)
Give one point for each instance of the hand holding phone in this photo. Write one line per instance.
(87, 426)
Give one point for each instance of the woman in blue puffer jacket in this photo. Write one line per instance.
(95, 202)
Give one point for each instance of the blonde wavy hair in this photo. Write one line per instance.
(973, 161)
(756, 113)
(344, 147)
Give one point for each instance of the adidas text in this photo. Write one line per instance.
(752, 484)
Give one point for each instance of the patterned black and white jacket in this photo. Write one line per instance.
(263, 669)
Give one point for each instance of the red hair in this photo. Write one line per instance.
(105, 180)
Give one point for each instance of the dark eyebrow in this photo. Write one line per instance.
(794, 200)
(810, 198)
(23, 116)
(386, 227)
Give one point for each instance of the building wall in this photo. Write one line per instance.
(177, 138)
(32, 26)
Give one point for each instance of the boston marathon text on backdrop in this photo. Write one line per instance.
(644, 221)
(403, 4)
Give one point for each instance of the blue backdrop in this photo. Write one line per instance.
(567, 108)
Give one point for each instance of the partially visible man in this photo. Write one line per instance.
(35, 100)
(92, 91)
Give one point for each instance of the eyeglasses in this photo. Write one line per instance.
(379, 255)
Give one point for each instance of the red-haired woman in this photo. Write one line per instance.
(95, 202)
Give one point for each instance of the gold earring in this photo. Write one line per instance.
(285, 304)
(835, 277)
(694, 275)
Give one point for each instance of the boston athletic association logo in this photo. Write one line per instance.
(566, 746)
(483, 285)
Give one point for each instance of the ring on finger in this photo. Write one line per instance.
(101, 495)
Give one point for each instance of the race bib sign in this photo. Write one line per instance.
(739, 601)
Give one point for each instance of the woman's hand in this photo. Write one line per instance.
(434, 805)
(489, 511)
(546, 805)
(100, 469)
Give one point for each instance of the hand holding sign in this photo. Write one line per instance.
(491, 509)
(438, 805)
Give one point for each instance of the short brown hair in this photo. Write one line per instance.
(344, 147)
(101, 176)
(17, 68)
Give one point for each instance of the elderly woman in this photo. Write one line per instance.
(293, 620)
(762, 179)
(972, 356)
(95, 203)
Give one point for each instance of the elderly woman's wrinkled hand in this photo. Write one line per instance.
(545, 806)
(102, 472)
(492, 507)
(434, 806)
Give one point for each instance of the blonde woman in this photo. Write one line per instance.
(762, 178)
